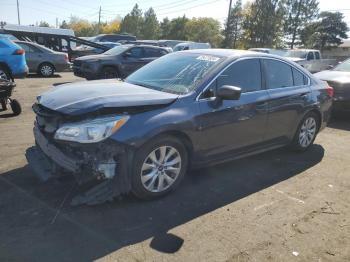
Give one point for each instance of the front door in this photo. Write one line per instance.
(234, 125)
(133, 59)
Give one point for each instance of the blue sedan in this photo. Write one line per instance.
(186, 109)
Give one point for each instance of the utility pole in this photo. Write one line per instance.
(56, 22)
(228, 24)
(19, 21)
(99, 19)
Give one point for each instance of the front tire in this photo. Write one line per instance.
(109, 72)
(306, 133)
(16, 107)
(4, 74)
(159, 167)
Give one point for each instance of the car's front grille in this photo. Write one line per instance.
(77, 63)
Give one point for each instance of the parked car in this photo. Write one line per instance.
(185, 109)
(190, 46)
(310, 59)
(339, 79)
(279, 52)
(118, 62)
(43, 60)
(84, 50)
(12, 60)
(171, 43)
(113, 38)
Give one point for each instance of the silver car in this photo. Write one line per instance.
(42, 60)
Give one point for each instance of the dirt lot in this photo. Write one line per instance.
(278, 206)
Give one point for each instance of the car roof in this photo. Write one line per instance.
(225, 52)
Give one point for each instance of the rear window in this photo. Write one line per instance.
(278, 74)
(299, 78)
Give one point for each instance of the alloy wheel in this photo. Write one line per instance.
(160, 169)
(46, 70)
(307, 132)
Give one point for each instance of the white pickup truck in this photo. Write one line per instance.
(310, 59)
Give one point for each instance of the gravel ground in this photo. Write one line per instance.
(277, 206)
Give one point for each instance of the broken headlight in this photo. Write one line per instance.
(91, 131)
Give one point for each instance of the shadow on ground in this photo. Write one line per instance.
(40, 76)
(32, 229)
(340, 121)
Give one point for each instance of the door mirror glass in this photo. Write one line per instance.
(127, 54)
(227, 92)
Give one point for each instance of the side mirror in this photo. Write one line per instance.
(329, 67)
(127, 54)
(227, 92)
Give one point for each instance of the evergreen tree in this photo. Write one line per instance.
(132, 22)
(233, 27)
(298, 14)
(150, 25)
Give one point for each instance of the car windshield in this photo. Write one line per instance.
(117, 50)
(345, 66)
(177, 73)
(296, 53)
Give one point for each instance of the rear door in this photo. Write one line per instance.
(289, 91)
(34, 56)
(234, 125)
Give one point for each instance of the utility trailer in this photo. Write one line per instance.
(62, 40)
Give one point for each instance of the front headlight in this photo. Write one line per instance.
(91, 131)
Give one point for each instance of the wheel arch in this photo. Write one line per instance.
(6, 67)
(45, 62)
(319, 115)
(182, 136)
(111, 66)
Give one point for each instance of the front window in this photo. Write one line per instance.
(174, 73)
(344, 67)
(117, 50)
(296, 54)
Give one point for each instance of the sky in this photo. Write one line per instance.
(34, 11)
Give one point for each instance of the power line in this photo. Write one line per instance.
(188, 8)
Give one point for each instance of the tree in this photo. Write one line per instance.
(132, 22)
(44, 24)
(177, 28)
(165, 28)
(298, 14)
(64, 25)
(203, 29)
(263, 23)
(233, 27)
(82, 27)
(327, 32)
(150, 25)
(112, 27)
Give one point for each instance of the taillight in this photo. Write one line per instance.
(66, 57)
(330, 91)
(18, 52)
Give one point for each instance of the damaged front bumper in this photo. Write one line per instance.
(105, 165)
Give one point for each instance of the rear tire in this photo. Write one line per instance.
(109, 72)
(151, 179)
(306, 132)
(16, 107)
(46, 70)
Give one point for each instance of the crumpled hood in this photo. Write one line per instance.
(334, 76)
(295, 59)
(89, 96)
